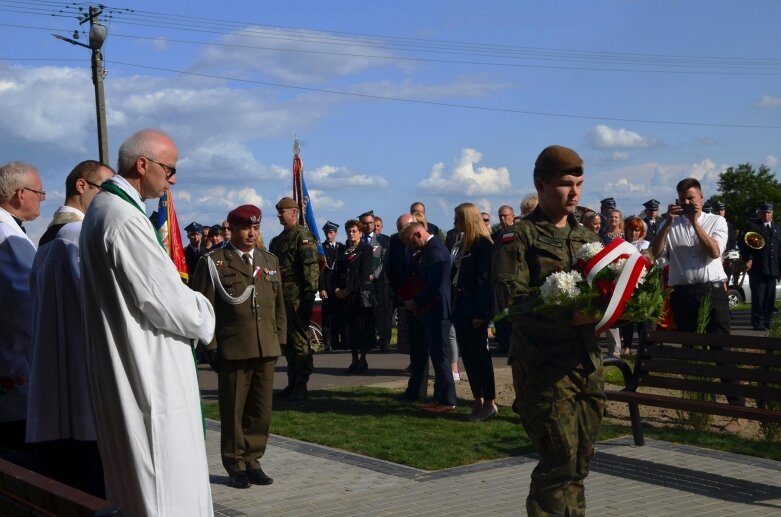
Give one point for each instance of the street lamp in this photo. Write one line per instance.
(97, 35)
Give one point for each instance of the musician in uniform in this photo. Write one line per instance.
(760, 248)
(651, 219)
(194, 250)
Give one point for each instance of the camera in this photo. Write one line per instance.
(689, 209)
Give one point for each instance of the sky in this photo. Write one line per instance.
(394, 102)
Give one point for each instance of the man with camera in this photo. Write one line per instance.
(694, 241)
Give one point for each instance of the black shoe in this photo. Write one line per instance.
(352, 368)
(363, 366)
(240, 480)
(285, 392)
(258, 477)
(299, 393)
(760, 328)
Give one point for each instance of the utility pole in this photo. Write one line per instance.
(97, 35)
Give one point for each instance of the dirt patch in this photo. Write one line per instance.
(616, 412)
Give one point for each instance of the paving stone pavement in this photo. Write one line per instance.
(659, 479)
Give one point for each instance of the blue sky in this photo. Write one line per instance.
(647, 92)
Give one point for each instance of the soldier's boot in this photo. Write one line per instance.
(299, 389)
(288, 391)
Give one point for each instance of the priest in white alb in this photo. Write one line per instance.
(141, 325)
(60, 426)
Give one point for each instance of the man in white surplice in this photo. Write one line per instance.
(21, 193)
(141, 321)
(59, 413)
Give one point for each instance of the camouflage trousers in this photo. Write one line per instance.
(561, 410)
(300, 363)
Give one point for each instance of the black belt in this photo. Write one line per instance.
(715, 285)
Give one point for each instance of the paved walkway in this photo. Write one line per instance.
(660, 479)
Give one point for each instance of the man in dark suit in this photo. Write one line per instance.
(763, 264)
(383, 309)
(431, 228)
(333, 307)
(397, 267)
(651, 219)
(244, 285)
(431, 305)
(193, 252)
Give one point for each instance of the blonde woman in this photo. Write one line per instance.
(472, 306)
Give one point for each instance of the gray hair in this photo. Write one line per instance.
(144, 143)
(13, 176)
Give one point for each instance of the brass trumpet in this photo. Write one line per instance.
(754, 240)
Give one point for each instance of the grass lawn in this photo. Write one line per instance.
(371, 422)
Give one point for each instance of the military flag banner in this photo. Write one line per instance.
(306, 214)
(167, 227)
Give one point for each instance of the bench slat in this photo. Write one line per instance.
(709, 370)
(713, 356)
(649, 399)
(708, 387)
(717, 340)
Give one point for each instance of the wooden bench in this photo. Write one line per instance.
(24, 492)
(697, 363)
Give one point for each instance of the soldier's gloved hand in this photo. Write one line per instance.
(305, 311)
(214, 360)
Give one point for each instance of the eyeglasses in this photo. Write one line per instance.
(169, 171)
(486, 220)
(92, 184)
(226, 227)
(41, 193)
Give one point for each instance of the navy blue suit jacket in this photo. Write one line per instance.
(434, 271)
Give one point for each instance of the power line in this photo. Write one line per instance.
(299, 35)
(449, 104)
(399, 58)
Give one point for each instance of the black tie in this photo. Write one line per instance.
(247, 259)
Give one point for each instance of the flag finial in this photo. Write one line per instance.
(296, 146)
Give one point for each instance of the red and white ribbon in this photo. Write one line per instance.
(626, 282)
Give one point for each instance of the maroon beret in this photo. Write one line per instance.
(245, 214)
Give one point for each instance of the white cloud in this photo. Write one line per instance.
(291, 55)
(620, 156)
(771, 161)
(160, 43)
(465, 179)
(333, 177)
(323, 202)
(604, 137)
(767, 101)
(464, 86)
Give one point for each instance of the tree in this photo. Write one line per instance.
(742, 189)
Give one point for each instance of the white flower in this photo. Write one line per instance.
(589, 251)
(617, 266)
(560, 286)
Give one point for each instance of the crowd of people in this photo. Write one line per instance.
(98, 313)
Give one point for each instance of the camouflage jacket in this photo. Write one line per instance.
(296, 250)
(524, 256)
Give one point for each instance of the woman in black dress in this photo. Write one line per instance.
(353, 284)
(472, 306)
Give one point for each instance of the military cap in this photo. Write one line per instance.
(330, 227)
(370, 212)
(608, 202)
(558, 158)
(245, 214)
(718, 205)
(651, 204)
(193, 227)
(215, 229)
(767, 206)
(707, 209)
(286, 202)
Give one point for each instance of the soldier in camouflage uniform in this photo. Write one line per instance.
(296, 250)
(556, 361)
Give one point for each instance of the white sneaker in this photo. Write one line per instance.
(456, 376)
